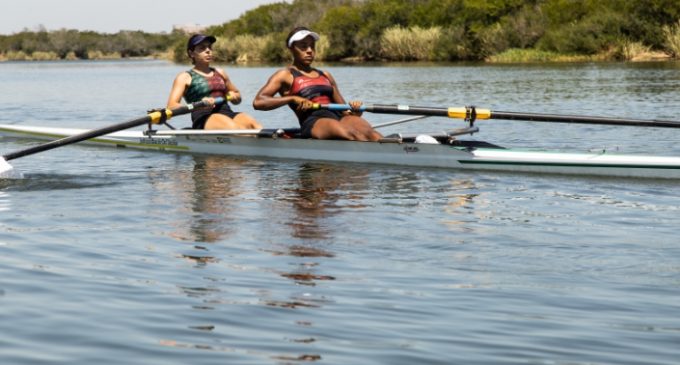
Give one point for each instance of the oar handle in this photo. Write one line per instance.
(451, 112)
(154, 117)
(338, 107)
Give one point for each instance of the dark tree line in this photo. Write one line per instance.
(81, 44)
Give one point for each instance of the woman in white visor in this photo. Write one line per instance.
(300, 86)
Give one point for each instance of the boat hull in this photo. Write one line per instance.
(462, 156)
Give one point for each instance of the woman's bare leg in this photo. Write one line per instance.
(360, 128)
(327, 128)
(247, 121)
(240, 121)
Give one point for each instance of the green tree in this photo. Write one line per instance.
(340, 25)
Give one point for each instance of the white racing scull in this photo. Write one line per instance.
(449, 153)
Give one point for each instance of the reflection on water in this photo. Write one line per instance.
(50, 182)
(212, 192)
(461, 196)
(305, 273)
(227, 349)
(315, 197)
(204, 194)
(215, 183)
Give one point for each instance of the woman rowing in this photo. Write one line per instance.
(300, 86)
(206, 83)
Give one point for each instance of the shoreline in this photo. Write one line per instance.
(518, 56)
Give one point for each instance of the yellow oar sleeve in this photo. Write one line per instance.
(156, 116)
(462, 113)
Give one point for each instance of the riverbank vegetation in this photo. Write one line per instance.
(68, 44)
(404, 30)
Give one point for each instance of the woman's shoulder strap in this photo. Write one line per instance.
(295, 72)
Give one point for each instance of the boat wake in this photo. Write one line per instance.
(8, 171)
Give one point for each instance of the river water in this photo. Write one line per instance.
(129, 257)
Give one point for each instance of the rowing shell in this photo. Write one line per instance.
(466, 155)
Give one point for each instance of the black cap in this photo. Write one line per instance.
(198, 38)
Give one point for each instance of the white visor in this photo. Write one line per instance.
(300, 35)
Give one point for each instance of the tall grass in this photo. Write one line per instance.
(410, 44)
(15, 56)
(43, 56)
(23, 56)
(254, 49)
(99, 55)
(672, 39)
(517, 55)
(242, 48)
(632, 51)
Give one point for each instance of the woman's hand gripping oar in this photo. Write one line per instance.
(153, 117)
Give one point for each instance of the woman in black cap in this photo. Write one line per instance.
(206, 83)
(300, 86)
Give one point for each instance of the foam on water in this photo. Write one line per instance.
(8, 171)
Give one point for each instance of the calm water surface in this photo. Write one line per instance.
(128, 257)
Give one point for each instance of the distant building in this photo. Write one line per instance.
(189, 28)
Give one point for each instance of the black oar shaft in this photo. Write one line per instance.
(408, 110)
(557, 118)
(76, 138)
(152, 117)
(473, 113)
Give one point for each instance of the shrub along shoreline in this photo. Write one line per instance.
(69, 44)
(400, 31)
